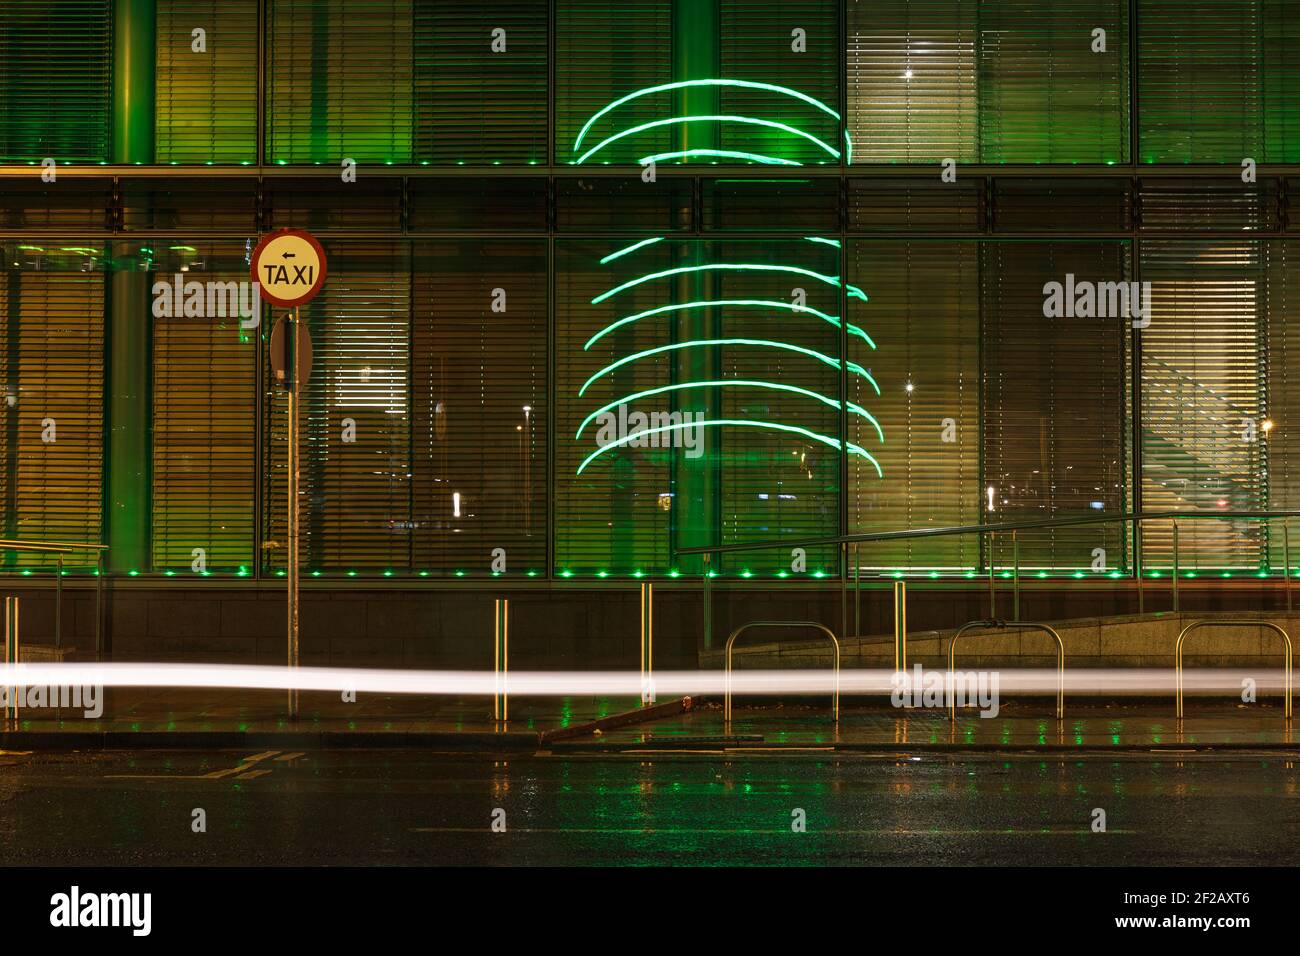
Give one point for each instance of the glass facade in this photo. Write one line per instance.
(616, 279)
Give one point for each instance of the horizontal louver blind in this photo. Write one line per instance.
(913, 96)
(356, 463)
(52, 335)
(479, 407)
(760, 44)
(923, 315)
(1014, 81)
(1200, 85)
(1053, 402)
(1045, 96)
(206, 102)
(54, 80)
(1202, 388)
(777, 483)
(204, 405)
(603, 52)
(1280, 347)
(614, 516)
(480, 94)
(340, 81)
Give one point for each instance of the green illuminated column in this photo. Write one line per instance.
(696, 484)
(129, 315)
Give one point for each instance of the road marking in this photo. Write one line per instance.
(246, 765)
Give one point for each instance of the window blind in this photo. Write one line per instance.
(204, 408)
(479, 406)
(912, 74)
(51, 446)
(758, 44)
(605, 50)
(1200, 83)
(340, 81)
(356, 462)
(614, 516)
(1203, 398)
(206, 102)
(1045, 96)
(1012, 81)
(55, 61)
(1053, 403)
(923, 314)
(480, 95)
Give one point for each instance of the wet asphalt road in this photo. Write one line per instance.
(404, 807)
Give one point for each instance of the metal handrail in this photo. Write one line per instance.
(835, 696)
(982, 529)
(62, 548)
(1001, 625)
(846, 541)
(1178, 655)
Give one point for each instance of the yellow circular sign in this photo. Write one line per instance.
(289, 267)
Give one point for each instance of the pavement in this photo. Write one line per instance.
(203, 718)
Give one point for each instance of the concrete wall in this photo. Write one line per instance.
(1133, 641)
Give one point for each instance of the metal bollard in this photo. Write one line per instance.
(500, 658)
(11, 651)
(647, 644)
(900, 626)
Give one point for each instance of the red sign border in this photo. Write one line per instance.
(257, 252)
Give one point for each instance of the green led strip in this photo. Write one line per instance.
(762, 343)
(704, 304)
(731, 382)
(854, 291)
(711, 118)
(632, 248)
(720, 153)
(829, 242)
(683, 84)
(742, 422)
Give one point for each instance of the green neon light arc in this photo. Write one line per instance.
(632, 248)
(761, 343)
(664, 88)
(720, 154)
(709, 303)
(711, 118)
(853, 407)
(739, 266)
(740, 422)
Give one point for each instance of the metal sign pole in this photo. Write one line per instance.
(291, 571)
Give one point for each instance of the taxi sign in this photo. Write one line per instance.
(288, 266)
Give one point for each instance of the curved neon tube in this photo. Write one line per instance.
(848, 148)
(763, 343)
(704, 304)
(632, 248)
(742, 422)
(720, 153)
(745, 84)
(722, 383)
(740, 266)
(710, 118)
